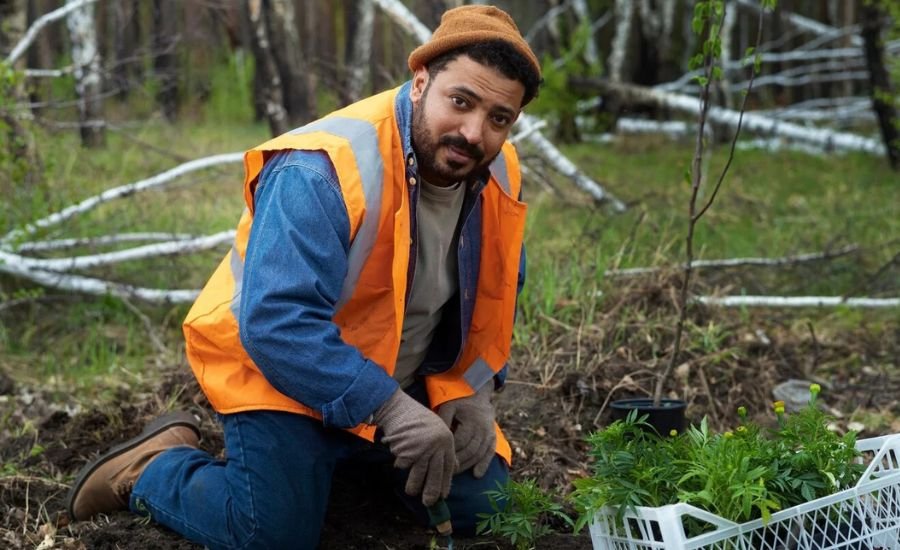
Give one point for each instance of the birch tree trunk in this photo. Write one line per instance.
(883, 98)
(619, 50)
(88, 84)
(727, 33)
(752, 123)
(165, 62)
(288, 52)
(584, 17)
(360, 51)
(270, 90)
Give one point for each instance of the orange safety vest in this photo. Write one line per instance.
(363, 143)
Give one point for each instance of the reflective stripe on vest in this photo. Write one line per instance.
(363, 141)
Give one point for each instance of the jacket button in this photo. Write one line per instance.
(411, 160)
(412, 181)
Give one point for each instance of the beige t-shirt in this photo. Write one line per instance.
(436, 278)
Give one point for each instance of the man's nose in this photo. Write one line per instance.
(472, 129)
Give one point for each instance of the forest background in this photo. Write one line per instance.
(121, 130)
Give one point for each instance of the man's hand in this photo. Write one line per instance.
(472, 421)
(421, 442)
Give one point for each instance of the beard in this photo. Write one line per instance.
(433, 170)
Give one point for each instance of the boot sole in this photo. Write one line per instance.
(161, 424)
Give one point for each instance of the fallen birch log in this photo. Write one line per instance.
(11, 265)
(61, 265)
(806, 23)
(105, 240)
(740, 262)
(754, 123)
(797, 301)
(409, 22)
(116, 193)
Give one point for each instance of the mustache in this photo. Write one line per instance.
(460, 143)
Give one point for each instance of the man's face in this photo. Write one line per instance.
(461, 117)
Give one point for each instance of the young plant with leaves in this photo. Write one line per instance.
(740, 475)
(707, 22)
(522, 513)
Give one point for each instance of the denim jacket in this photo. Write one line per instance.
(294, 268)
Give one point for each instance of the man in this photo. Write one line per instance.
(365, 309)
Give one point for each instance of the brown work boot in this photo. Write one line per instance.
(105, 484)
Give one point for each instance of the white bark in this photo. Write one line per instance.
(726, 34)
(39, 24)
(117, 193)
(565, 166)
(797, 301)
(841, 58)
(584, 17)
(405, 18)
(105, 240)
(11, 265)
(668, 24)
(624, 16)
(137, 253)
(804, 23)
(753, 123)
(741, 262)
(86, 59)
(358, 67)
(551, 154)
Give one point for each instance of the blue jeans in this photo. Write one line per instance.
(272, 490)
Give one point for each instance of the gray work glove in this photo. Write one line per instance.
(472, 421)
(419, 441)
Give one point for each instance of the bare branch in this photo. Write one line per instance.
(137, 253)
(797, 301)
(105, 240)
(119, 192)
(11, 264)
(39, 24)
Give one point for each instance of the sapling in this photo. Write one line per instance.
(708, 17)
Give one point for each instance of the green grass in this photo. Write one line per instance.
(771, 204)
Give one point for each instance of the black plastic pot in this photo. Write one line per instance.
(668, 416)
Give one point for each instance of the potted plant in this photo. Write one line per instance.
(666, 414)
(797, 485)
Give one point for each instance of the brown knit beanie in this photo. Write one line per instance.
(469, 25)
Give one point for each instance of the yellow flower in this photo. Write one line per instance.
(673, 433)
(728, 435)
(741, 429)
(778, 405)
(815, 389)
(742, 412)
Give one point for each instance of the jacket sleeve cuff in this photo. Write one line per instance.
(367, 392)
(500, 378)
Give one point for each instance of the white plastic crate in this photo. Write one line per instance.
(866, 516)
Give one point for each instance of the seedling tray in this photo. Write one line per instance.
(866, 516)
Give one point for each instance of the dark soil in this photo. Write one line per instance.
(558, 392)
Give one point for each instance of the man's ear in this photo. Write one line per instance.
(419, 83)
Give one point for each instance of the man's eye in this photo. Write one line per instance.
(459, 101)
(501, 120)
